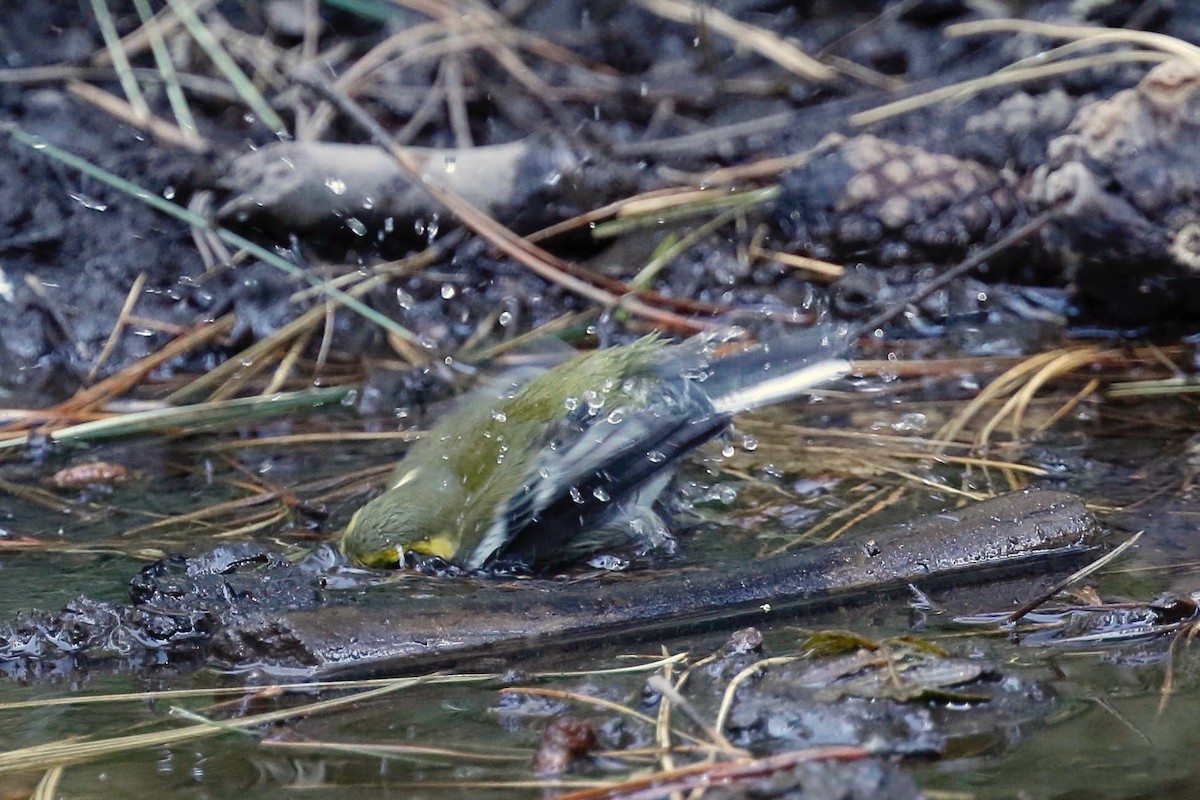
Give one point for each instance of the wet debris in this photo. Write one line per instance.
(898, 698)
(746, 641)
(176, 605)
(92, 473)
(1100, 623)
(564, 740)
(1127, 179)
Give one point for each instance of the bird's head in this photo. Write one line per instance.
(395, 523)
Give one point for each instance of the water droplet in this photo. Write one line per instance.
(576, 495)
(448, 291)
(87, 202)
(656, 456)
(616, 416)
(725, 495)
(911, 423)
(336, 185)
(405, 300)
(750, 443)
(505, 319)
(451, 164)
(499, 416)
(571, 403)
(601, 495)
(169, 193)
(727, 451)
(356, 226)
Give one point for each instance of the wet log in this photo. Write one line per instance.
(392, 631)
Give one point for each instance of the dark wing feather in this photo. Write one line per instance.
(585, 481)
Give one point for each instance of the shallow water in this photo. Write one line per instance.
(1096, 730)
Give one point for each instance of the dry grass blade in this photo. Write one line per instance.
(73, 751)
(814, 530)
(304, 439)
(636, 214)
(605, 212)
(1007, 77)
(738, 679)
(47, 788)
(1026, 380)
(242, 691)
(815, 268)
(408, 751)
(116, 107)
(1094, 35)
(662, 728)
(880, 504)
(88, 400)
(222, 515)
(965, 461)
(663, 686)
(114, 335)
(1167, 386)
(998, 388)
(1066, 408)
(1074, 577)
(760, 40)
(1063, 365)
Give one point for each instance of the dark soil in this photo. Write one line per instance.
(648, 103)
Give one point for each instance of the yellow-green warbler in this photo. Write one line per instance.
(569, 464)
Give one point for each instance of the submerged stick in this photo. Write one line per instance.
(390, 630)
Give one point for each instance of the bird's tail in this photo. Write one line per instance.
(771, 371)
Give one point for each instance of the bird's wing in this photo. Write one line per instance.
(587, 475)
